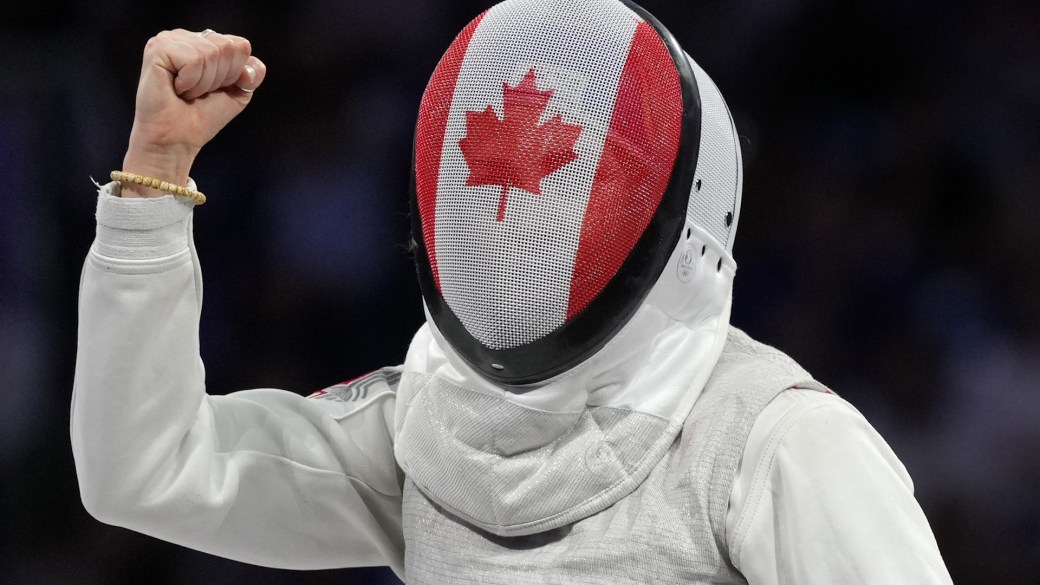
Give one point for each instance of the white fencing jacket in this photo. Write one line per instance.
(271, 478)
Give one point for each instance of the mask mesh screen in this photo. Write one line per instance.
(546, 138)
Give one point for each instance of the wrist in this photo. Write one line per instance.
(172, 166)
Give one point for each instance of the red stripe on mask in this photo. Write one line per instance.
(634, 169)
(429, 136)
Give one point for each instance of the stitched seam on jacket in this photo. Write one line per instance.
(787, 422)
(138, 267)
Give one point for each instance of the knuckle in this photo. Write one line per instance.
(157, 40)
(154, 48)
(197, 58)
(237, 45)
(225, 47)
(162, 41)
(243, 45)
(207, 51)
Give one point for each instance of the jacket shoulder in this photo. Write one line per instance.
(354, 394)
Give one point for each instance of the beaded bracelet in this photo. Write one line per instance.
(192, 194)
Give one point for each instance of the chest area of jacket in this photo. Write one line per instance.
(653, 535)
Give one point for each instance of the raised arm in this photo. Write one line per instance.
(191, 86)
(262, 476)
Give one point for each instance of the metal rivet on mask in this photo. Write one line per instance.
(729, 218)
(698, 184)
(498, 366)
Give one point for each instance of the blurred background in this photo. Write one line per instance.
(888, 239)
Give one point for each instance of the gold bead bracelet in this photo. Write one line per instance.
(178, 190)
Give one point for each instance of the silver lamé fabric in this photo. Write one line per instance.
(669, 529)
(510, 469)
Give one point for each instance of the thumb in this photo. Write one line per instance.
(223, 105)
(252, 75)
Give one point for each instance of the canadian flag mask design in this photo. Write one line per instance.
(555, 151)
(516, 151)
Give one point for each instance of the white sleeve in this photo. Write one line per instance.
(820, 498)
(262, 476)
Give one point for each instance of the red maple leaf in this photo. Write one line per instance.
(516, 151)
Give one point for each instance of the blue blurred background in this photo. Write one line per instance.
(888, 239)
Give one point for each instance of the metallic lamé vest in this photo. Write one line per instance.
(671, 529)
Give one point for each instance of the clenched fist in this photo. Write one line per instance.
(192, 84)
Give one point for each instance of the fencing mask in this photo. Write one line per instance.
(563, 152)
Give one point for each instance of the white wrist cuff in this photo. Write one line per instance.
(141, 228)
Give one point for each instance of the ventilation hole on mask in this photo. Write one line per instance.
(718, 266)
(698, 184)
(729, 218)
(703, 250)
(688, 232)
(498, 366)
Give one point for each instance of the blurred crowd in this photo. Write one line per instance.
(888, 237)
